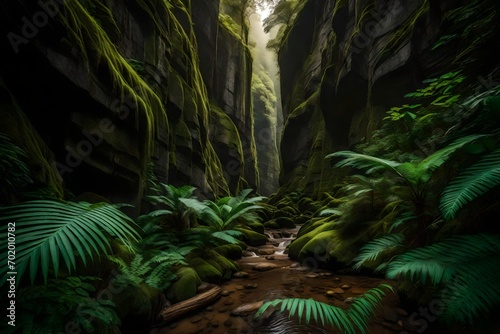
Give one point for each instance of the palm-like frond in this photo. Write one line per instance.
(444, 260)
(363, 161)
(351, 321)
(473, 182)
(48, 229)
(13, 167)
(375, 248)
(467, 265)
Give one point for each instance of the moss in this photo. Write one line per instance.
(285, 222)
(296, 246)
(252, 238)
(271, 225)
(319, 246)
(232, 252)
(206, 271)
(224, 265)
(185, 287)
(256, 227)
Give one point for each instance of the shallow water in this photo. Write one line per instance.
(284, 281)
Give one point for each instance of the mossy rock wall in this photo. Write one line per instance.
(128, 83)
(343, 64)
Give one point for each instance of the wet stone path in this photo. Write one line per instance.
(266, 274)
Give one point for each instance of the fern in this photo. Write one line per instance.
(155, 272)
(13, 168)
(49, 308)
(470, 184)
(351, 321)
(467, 265)
(375, 248)
(48, 229)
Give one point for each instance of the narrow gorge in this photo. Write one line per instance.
(254, 166)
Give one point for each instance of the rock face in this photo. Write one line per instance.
(343, 65)
(96, 90)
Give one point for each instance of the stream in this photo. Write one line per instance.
(267, 273)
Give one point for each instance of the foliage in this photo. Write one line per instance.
(378, 247)
(13, 167)
(352, 321)
(48, 229)
(473, 182)
(170, 197)
(155, 271)
(50, 308)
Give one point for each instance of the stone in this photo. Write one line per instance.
(224, 293)
(240, 274)
(266, 251)
(264, 266)
(295, 265)
(345, 287)
(349, 300)
(196, 319)
(251, 286)
(247, 309)
(330, 293)
(312, 275)
(338, 291)
(269, 257)
(336, 279)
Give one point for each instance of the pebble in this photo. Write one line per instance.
(266, 251)
(295, 265)
(240, 274)
(330, 293)
(312, 275)
(269, 257)
(264, 266)
(251, 286)
(224, 293)
(345, 287)
(338, 291)
(349, 300)
(336, 279)
(196, 319)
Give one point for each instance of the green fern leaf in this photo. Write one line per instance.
(375, 248)
(47, 230)
(473, 182)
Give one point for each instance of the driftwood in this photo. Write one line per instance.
(208, 293)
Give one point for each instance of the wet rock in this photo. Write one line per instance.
(209, 309)
(336, 279)
(239, 287)
(251, 286)
(252, 249)
(266, 251)
(247, 253)
(286, 234)
(295, 265)
(269, 257)
(247, 309)
(338, 291)
(345, 287)
(349, 300)
(224, 293)
(330, 293)
(240, 274)
(327, 274)
(312, 275)
(264, 266)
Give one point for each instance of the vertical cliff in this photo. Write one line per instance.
(343, 65)
(96, 90)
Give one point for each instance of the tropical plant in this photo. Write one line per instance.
(464, 268)
(51, 307)
(471, 183)
(220, 218)
(46, 230)
(170, 197)
(355, 320)
(13, 168)
(155, 271)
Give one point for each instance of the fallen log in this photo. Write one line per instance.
(208, 293)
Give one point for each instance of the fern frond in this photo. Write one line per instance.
(352, 321)
(48, 229)
(363, 161)
(375, 248)
(473, 182)
(442, 261)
